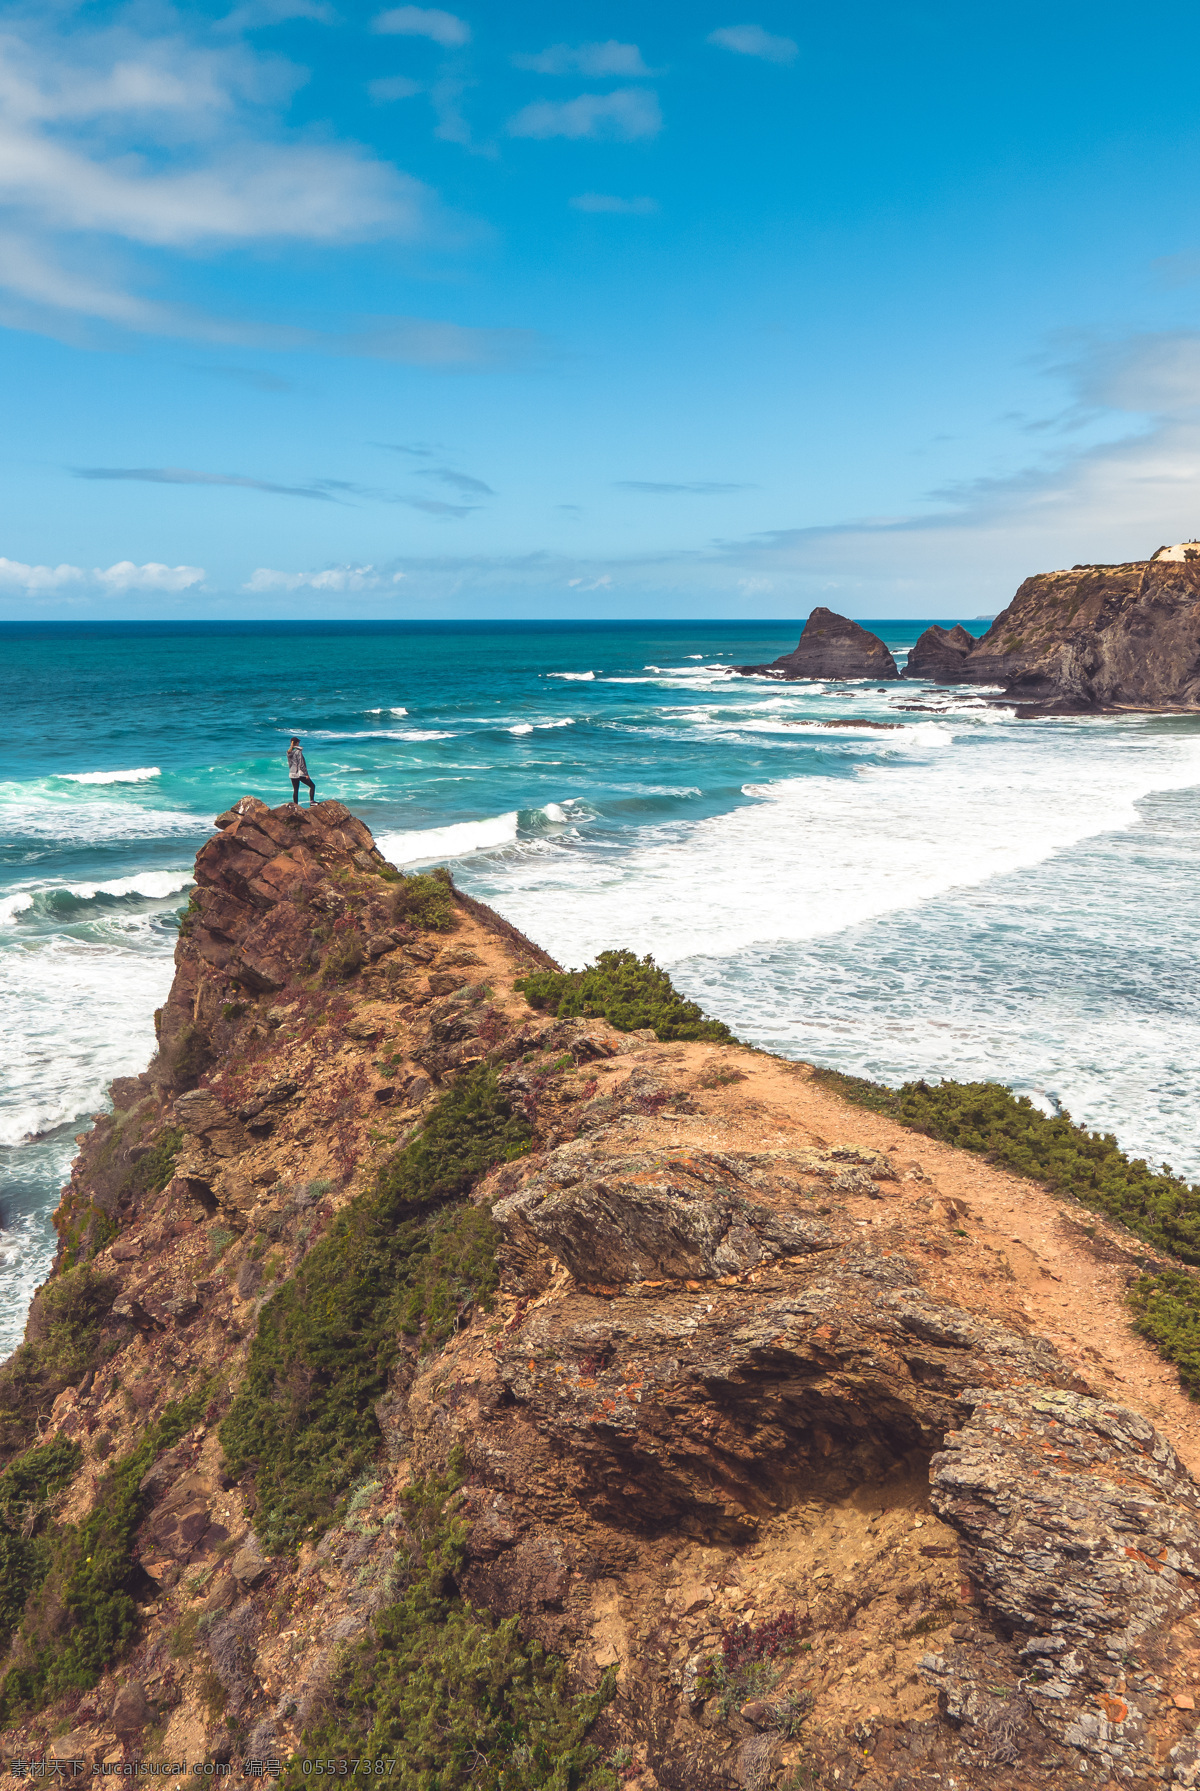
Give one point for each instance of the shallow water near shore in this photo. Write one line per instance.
(953, 892)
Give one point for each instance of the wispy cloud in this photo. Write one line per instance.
(460, 481)
(625, 114)
(443, 28)
(253, 377)
(438, 507)
(428, 342)
(693, 487)
(256, 15)
(394, 87)
(752, 40)
(333, 578)
(610, 202)
(610, 58)
(179, 475)
(124, 576)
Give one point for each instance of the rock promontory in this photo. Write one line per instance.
(1099, 637)
(830, 647)
(495, 1399)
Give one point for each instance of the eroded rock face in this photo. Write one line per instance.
(831, 646)
(939, 654)
(1098, 637)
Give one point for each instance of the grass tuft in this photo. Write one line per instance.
(426, 899)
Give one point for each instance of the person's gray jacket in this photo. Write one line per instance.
(296, 765)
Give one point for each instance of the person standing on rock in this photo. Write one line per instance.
(298, 772)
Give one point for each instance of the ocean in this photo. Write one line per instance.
(957, 893)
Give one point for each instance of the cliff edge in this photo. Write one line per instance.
(1099, 637)
(518, 1401)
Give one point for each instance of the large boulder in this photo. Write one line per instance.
(939, 655)
(831, 646)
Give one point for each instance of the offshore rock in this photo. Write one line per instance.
(1100, 637)
(939, 654)
(831, 646)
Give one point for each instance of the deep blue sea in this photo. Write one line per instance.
(962, 894)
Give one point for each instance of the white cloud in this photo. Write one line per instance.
(610, 202)
(609, 58)
(752, 40)
(335, 578)
(426, 342)
(124, 576)
(256, 14)
(153, 576)
(424, 21)
(16, 576)
(627, 113)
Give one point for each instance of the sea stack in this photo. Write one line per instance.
(939, 654)
(831, 646)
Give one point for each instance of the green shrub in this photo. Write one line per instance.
(151, 1173)
(346, 955)
(456, 1699)
(627, 991)
(62, 1342)
(399, 1258)
(986, 1118)
(84, 1615)
(426, 899)
(26, 1488)
(1166, 1310)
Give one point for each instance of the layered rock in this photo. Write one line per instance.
(748, 1373)
(831, 647)
(939, 653)
(1100, 637)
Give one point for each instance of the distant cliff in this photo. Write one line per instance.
(831, 646)
(1098, 637)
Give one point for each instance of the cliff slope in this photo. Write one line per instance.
(1099, 637)
(404, 1337)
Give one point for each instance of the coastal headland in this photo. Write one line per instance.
(410, 1336)
(1094, 638)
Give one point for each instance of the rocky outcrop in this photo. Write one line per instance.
(1099, 637)
(750, 1414)
(831, 646)
(939, 654)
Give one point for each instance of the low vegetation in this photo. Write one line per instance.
(1155, 1205)
(409, 1257)
(990, 1120)
(26, 1490)
(62, 1342)
(629, 992)
(452, 1697)
(426, 899)
(84, 1614)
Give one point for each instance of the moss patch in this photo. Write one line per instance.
(407, 1256)
(454, 1698)
(627, 991)
(26, 1489)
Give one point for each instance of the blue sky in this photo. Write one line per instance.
(597, 310)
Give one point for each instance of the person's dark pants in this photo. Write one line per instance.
(312, 788)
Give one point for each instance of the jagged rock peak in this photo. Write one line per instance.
(831, 646)
(939, 654)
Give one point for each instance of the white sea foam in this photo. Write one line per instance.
(38, 811)
(554, 811)
(575, 677)
(395, 711)
(812, 856)
(380, 734)
(521, 727)
(459, 837)
(140, 775)
(154, 885)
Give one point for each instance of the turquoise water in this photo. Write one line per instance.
(955, 892)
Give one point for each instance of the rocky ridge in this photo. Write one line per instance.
(748, 1371)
